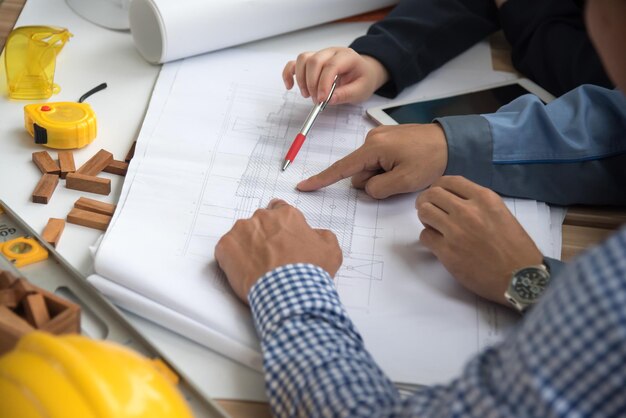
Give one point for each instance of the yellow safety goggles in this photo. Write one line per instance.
(30, 60)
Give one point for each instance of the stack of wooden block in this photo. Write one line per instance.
(25, 308)
(85, 178)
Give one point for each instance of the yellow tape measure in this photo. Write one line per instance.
(62, 125)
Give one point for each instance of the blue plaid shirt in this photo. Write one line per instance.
(567, 358)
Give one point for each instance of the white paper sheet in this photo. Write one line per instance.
(210, 152)
(166, 30)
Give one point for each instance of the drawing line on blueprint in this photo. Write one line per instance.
(338, 131)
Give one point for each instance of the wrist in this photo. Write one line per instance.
(440, 148)
(527, 285)
(379, 73)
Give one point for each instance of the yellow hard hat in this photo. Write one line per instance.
(74, 376)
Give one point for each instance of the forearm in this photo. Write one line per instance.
(316, 364)
(571, 151)
(315, 361)
(419, 36)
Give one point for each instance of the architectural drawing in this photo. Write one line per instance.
(337, 131)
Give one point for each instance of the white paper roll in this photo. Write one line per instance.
(166, 30)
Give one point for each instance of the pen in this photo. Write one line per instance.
(306, 127)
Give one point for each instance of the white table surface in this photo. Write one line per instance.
(92, 56)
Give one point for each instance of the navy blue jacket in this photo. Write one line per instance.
(548, 39)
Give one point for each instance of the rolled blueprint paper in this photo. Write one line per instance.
(167, 30)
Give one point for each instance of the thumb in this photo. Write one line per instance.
(390, 183)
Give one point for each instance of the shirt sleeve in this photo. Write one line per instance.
(550, 45)
(418, 36)
(570, 151)
(567, 358)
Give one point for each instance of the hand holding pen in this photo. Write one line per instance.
(306, 127)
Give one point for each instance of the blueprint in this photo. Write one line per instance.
(210, 153)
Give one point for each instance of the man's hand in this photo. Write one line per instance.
(359, 75)
(474, 235)
(393, 160)
(273, 237)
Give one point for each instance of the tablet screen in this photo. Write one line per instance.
(486, 101)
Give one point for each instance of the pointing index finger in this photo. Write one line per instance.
(346, 167)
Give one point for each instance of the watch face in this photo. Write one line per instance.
(530, 282)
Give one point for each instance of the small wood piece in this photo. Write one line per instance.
(117, 167)
(53, 230)
(44, 189)
(6, 279)
(65, 315)
(35, 309)
(66, 163)
(8, 298)
(131, 152)
(22, 289)
(44, 309)
(66, 322)
(86, 183)
(46, 164)
(96, 164)
(96, 206)
(12, 327)
(88, 219)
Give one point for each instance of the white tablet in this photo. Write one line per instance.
(485, 99)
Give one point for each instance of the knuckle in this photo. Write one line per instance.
(239, 224)
(375, 135)
(330, 236)
(426, 237)
(223, 245)
(424, 210)
(489, 196)
(291, 212)
(303, 56)
(259, 213)
(315, 60)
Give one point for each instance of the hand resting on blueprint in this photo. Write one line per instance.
(359, 75)
(271, 238)
(473, 234)
(392, 160)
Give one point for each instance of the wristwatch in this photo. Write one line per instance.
(526, 286)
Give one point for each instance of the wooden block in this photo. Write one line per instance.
(35, 309)
(6, 279)
(131, 152)
(66, 163)
(96, 164)
(53, 230)
(46, 164)
(117, 167)
(12, 327)
(96, 206)
(44, 189)
(64, 315)
(67, 322)
(86, 183)
(88, 219)
(8, 298)
(22, 289)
